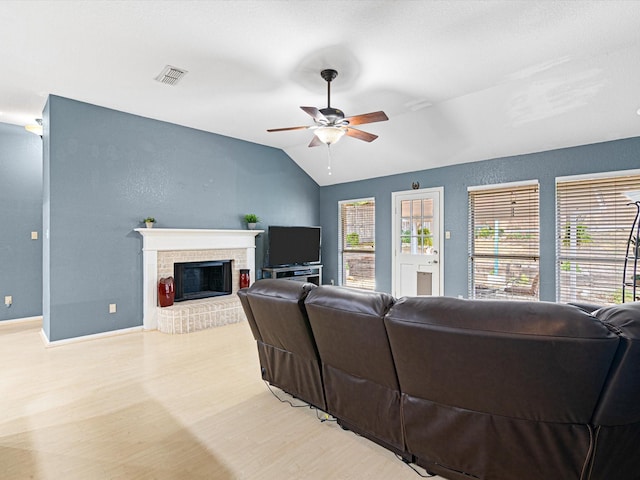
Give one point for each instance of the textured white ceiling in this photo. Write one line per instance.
(461, 81)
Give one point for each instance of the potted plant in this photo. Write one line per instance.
(252, 219)
(149, 221)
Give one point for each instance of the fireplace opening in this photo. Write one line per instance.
(202, 279)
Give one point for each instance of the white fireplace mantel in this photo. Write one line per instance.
(162, 239)
(196, 238)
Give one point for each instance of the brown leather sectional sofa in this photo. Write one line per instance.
(494, 390)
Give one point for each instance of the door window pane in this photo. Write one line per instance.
(416, 234)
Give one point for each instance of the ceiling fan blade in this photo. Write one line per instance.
(315, 114)
(367, 118)
(315, 141)
(360, 135)
(287, 128)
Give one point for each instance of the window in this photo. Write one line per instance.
(504, 242)
(417, 225)
(593, 222)
(357, 243)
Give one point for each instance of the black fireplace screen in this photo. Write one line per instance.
(202, 279)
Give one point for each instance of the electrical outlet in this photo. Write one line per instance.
(112, 308)
(34, 235)
(447, 235)
(8, 300)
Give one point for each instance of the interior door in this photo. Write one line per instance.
(417, 242)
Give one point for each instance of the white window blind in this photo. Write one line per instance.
(593, 223)
(504, 243)
(357, 243)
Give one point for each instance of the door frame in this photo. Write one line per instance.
(395, 232)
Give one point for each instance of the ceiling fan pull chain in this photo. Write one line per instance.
(329, 158)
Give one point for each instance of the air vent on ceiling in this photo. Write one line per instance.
(170, 75)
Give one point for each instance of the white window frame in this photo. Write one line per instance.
(513, 293)
(341, 279)
(559, 258)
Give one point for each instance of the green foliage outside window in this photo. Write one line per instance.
(486, 231)
(566, 267)
(424, 237)
(582, 235)
(353, 239)
(616, 297)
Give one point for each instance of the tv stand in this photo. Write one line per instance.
(300, 273)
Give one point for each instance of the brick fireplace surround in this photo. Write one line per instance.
(162, 247)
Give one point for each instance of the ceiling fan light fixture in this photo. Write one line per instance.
(329, 135)
(331, 124)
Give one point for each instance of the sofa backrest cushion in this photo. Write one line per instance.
(528, 360)
(620, 403)
(348, 326)
(278, 308)
(361, 385)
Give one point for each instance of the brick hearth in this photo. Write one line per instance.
(163, 247)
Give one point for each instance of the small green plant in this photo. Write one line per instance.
(251, 218)
(149, 220)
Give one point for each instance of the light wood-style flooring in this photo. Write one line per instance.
(155, 406)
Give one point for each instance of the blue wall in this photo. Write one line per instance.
(106, 170)
(544, 167)
(20, 214)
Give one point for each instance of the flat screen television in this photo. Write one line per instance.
(294, 245)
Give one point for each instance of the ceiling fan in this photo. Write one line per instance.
(331, 124)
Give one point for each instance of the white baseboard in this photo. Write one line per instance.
(84, 338)
(21, 320)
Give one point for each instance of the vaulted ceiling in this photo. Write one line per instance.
(461, 81)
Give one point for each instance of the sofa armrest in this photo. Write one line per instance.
(620, 400)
